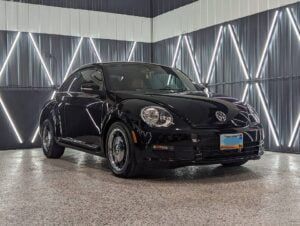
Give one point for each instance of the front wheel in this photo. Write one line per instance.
(120, 151)
(50, 148)
(233, 164)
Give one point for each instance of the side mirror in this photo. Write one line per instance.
(90, 88)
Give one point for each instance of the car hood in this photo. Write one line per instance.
(195, 107)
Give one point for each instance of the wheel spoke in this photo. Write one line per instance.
(117, 149)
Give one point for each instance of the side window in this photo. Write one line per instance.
(94, 76)
(76, 82)
(65, 86)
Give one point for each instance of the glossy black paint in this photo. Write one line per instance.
(82, 119)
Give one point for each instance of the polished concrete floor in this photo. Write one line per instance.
(79, 189)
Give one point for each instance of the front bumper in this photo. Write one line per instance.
(197, 147)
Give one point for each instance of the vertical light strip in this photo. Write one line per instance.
(38, 128)
(239, 52)
(12, 124)
(264, 53)
(245, 92)
(9, 53)
(96, 51)
(176, 51)
(131, 51)
(214, 56)
(296, 29)
(267, 113)
(73, 58)
(294, 132)
(192, 58)
(175, 57)
(41, 58)
(293, 21)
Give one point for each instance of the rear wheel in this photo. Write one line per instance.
(233, 164)
(50, 148)
(120, 151)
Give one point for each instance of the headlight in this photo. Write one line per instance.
(253, 114)
(156, 116)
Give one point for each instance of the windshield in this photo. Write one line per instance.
(147, 78)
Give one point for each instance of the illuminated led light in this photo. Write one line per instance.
(264, 53)
(176, 51)
(73, 58)
(175, 56)
(38, 128)
(35, 135)
(294, 132)
(192, 58)
(293, 21)
(41, 58)
(10, 53)
(245, 92)
(12, 124)
(239, 52)
(53, 95)
(214, 56)
(267, 113)
(96, 51)
(131, 51)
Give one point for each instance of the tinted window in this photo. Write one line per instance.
(74, 83)
(65, 86)
(93, 76)
(143, 77)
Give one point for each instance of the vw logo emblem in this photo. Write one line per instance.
(221, 116)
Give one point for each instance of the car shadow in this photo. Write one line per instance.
(203, 174)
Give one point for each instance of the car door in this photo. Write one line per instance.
(83, 108)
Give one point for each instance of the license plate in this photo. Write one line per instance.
(231, 141)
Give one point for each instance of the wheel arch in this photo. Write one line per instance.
(50, 112)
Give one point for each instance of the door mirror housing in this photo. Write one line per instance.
(92, 88)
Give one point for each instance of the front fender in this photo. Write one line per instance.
(128, 112)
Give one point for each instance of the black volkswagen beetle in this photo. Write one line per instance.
(145, 115)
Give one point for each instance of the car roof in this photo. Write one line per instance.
(116, 64)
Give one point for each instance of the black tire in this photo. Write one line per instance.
(234, 164)
(50, 148)
(128, 165)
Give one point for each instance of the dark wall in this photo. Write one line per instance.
(280, 79)
(24, 86)
(160, 7)
(23, 106)
(25, 69)
(129, 7)
(144, 8)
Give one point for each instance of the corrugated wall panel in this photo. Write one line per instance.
(280, 78)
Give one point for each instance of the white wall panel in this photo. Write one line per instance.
(23, 16)
(16, 16)
(216, 11)
(11, 16)
(34, 22)
(65, 17)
